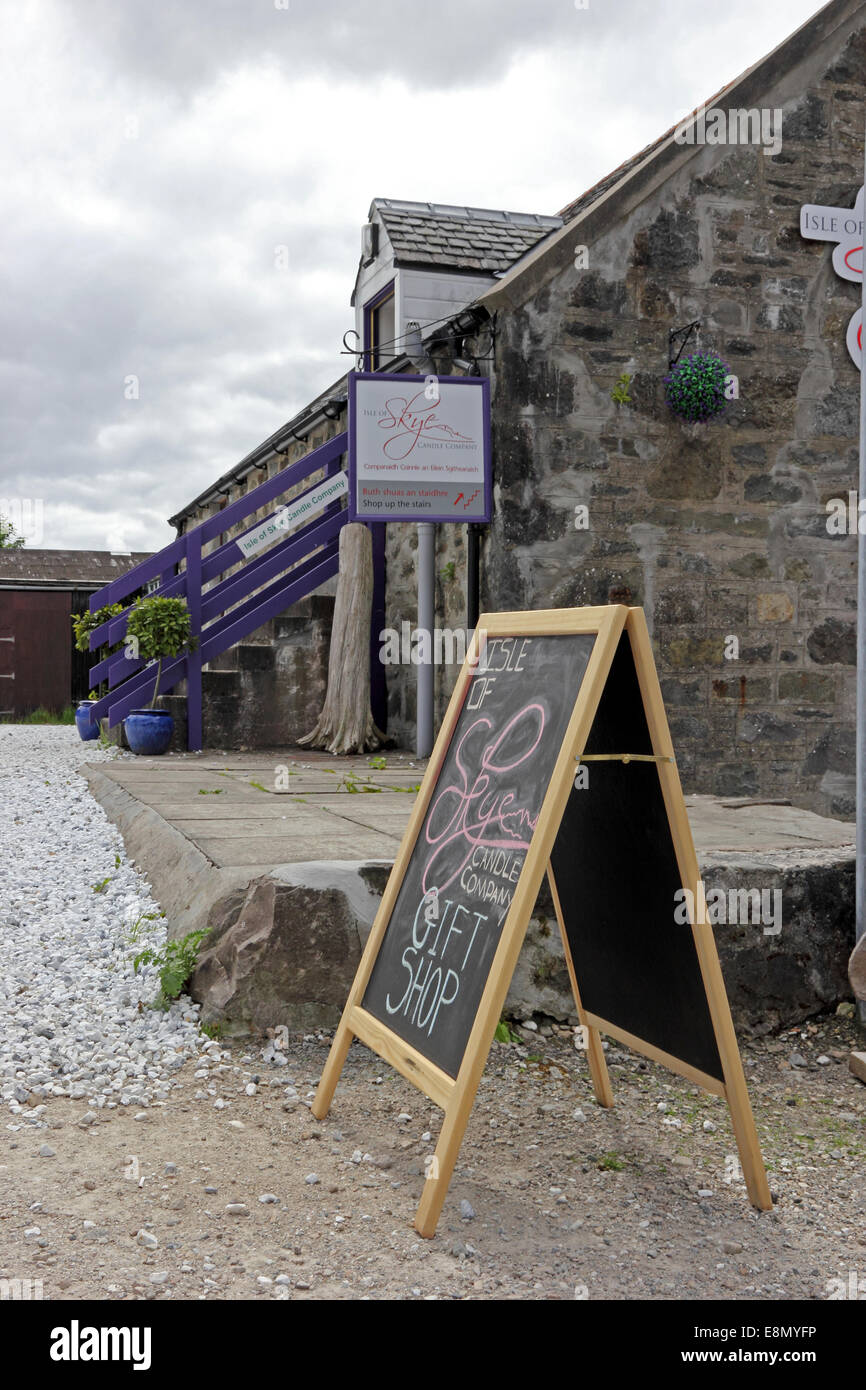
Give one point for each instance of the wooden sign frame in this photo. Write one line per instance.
(455, 1095)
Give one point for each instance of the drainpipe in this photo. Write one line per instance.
(861, 663)
(473, 553)
(426, 604)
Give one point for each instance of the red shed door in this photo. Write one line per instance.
(36, 664)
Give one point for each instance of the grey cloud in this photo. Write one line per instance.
(438, 44)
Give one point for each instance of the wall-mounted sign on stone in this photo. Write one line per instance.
(302, 509)
(419, 447)
(845, 227)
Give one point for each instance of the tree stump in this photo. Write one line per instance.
(345, 724)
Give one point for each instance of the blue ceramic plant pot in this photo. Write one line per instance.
(149, 731)
(87, 730)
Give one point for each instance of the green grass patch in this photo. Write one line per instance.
(610, 1163)
(44, 716)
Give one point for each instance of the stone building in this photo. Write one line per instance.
(718, 530)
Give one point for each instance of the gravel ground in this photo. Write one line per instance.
(200, 1173)
(73, 911)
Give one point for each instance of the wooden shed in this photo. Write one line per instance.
(40, 590)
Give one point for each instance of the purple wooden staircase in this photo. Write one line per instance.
(232, 608)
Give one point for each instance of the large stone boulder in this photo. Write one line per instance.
(285, 950)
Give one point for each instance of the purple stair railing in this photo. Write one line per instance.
(233, 608)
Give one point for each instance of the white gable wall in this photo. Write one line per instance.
(422, 296)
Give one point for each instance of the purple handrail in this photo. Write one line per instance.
(230, 610)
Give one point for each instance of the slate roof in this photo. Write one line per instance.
(65, 568)
(448, 237)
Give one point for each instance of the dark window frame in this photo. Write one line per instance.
(372, 348)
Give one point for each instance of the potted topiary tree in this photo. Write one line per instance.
(159, 627)
(82, 626)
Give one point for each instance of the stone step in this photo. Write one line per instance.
(289, 917)
(266, 691)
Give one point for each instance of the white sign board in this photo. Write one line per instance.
(845, 227)
(419, 447)
(300, 510)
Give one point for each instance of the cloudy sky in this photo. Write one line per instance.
(155, 155)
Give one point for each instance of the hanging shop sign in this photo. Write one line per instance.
(845, 227)
(419, 448)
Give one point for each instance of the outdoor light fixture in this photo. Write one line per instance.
(464, 366)
(369, 242)
(413, 345)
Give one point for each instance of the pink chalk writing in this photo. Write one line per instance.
(480, 810)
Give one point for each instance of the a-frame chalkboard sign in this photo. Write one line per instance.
(554, 756)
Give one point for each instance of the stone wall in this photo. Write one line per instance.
(267, 691)
(717, 530)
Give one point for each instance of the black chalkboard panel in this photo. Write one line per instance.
(436, 954)
(616, 874)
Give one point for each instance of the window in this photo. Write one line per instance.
(380, 329)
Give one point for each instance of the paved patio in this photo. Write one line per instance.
(260, 810)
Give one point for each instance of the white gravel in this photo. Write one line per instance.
(70, 1021)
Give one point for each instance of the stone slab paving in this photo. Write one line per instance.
(231, 842)
(214, 801)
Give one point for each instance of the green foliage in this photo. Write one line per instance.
(102, 885)
(175, 962)
(211, 1030)
(620, 391)
(351, 783)
(505, 1033)
(161, 627)
(85, 623)
(217, 791)
(448, 571)
(377, 763)
(140, 925)
(44, 716)
(258, 786)
(9, 539)
(610, 1163)
(695, 388)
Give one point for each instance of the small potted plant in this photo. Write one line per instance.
(82, 626)
(695, 388)
(160, 628)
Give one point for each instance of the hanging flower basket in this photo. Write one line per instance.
(695, 389)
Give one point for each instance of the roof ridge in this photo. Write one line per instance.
(463, 211)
